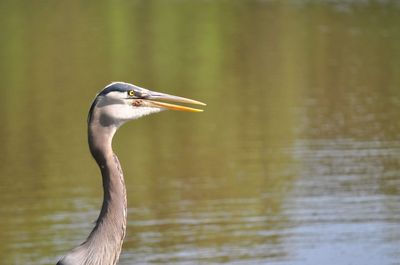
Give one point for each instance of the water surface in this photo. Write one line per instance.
(294, 161)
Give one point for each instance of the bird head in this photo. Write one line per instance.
(120, 102)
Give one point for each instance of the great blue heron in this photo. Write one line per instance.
(116, 104)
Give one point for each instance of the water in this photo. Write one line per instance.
(294, 161)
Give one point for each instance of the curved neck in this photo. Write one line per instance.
(100, 139)
(103, 245)
(107, 236)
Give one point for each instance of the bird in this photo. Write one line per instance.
(114, 105)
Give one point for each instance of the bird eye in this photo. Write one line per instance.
(131, 93)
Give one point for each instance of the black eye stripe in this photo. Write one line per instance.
(119, 87)
(129, 90)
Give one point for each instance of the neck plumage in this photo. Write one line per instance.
(108, 234)
(103, 245)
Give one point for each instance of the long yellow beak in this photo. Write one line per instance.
(161, 96)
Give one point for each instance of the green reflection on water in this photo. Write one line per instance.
(211, 187)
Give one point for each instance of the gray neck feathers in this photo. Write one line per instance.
(103, 246)
(108, 234)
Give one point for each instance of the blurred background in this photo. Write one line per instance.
(296, 159)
